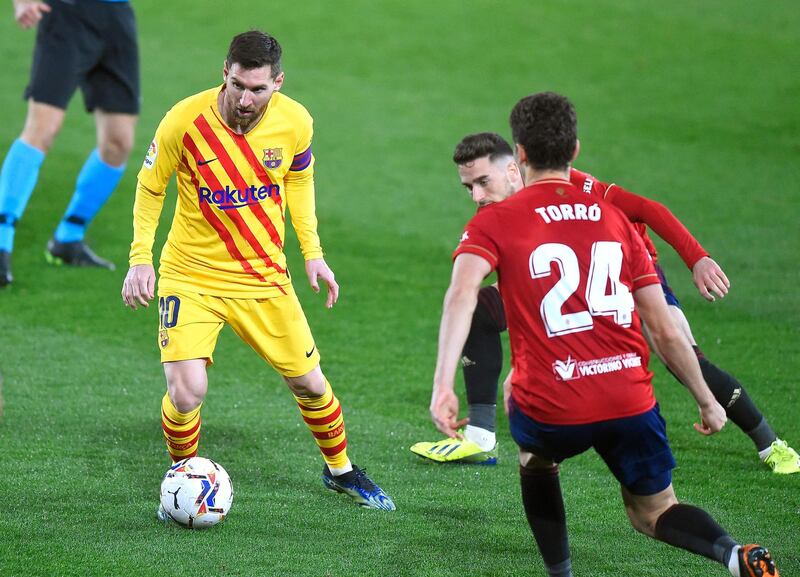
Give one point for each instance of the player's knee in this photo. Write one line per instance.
(115, 148)
(186, 389)
(42, 125)
(644, 513)
(311, 384)
(533, 463)
(642, 521)
(184, 399)
(39, 137)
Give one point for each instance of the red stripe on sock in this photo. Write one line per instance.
(327, 435)
(179, 434)
(324, 420)
(307, 408)
(333, 451)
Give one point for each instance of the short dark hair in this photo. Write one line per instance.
(475, 146)
(546, 126)
(255, 49)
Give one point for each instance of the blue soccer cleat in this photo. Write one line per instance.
(359, 488)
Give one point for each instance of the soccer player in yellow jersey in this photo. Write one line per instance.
(242, 155)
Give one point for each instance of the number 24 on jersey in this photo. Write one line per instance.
(604, 273)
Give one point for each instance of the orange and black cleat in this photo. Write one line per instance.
(755, 561)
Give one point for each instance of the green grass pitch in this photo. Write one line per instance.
(694, 104)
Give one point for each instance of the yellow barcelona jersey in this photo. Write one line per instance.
(227, 235)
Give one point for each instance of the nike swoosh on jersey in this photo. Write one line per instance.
(204, 162)
(311, 352)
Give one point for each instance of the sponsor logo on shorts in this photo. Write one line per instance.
(571, 369)
(150, 157)
(273, 157)
(233, 198)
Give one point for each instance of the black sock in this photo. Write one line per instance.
(544, 508)
(733, 397)
(483, 416)
(482, 359)
(691, 528)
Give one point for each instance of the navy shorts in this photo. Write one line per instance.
(91, 45)
(670, 296)
(635, 449)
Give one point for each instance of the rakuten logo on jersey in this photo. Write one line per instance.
(230, 198)
(571, 369)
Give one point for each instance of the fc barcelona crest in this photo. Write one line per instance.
(273, 157)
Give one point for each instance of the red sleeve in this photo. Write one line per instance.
(476, 241)
(659, 218)
(643, 273)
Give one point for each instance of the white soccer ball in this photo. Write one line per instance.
(196, 493)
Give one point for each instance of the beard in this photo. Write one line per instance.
(241, 117)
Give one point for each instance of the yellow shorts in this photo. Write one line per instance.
(276, 328)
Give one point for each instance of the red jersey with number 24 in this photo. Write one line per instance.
(567, 265)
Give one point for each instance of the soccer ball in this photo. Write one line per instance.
(196, 493)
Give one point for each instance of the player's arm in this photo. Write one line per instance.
(469, 270)
(28, 13)
(300, 199)
(163, 156)
(708, 277)
(679, 356)
(139, 284)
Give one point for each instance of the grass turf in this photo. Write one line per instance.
(691, 104)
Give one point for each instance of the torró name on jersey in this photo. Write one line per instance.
(559, 212)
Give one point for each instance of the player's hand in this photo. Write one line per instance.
(444, 412)
(139, 286)
(507, 392)
(317, 268)
(712, 418)
(710, 279)
(28, 13)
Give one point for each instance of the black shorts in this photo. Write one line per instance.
(88, 44)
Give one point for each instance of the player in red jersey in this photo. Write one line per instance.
(487, 169)
(572, 275)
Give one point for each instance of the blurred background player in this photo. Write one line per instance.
(242, 154)
(580, 378)
(487, 169)
(86, 44)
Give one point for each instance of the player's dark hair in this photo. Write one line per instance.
(546, 126)
(255, 49)
(475, 146)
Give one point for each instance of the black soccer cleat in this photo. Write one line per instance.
(755, 561)
(5, 269)
(74, 254)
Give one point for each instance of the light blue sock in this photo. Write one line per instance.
(17, 180)
(96, 181)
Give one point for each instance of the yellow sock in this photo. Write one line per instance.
(323, 416)
(181, 430)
